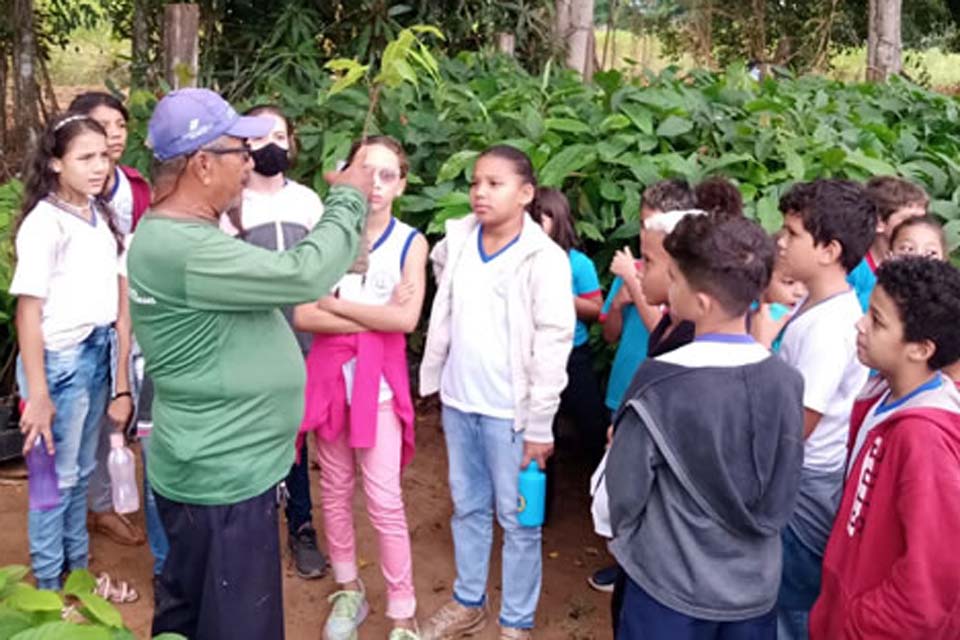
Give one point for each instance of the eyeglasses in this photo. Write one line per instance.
(387, 176)
(223, 151)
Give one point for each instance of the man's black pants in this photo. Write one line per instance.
(222, 576)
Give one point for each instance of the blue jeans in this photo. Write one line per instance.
(78, 379)
(799, 587)
(484, 456)
(156, 536)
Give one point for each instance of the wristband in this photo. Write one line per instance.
(122, 394)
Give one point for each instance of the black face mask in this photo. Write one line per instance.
(271, 159)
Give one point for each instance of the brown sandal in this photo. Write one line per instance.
(117, 592)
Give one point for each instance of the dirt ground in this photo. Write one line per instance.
(569, 609)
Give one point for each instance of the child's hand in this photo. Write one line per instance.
(402, 293)
(328, 303)
(624, 264)
(764, 328)
(37, 420)
(120, 411)
(609, 436)
(538, 451)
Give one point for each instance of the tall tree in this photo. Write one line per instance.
(26, 91)
(575, 29)
(884, 43)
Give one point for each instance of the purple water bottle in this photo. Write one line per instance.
(44, 492)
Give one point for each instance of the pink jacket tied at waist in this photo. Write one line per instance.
(378, 354)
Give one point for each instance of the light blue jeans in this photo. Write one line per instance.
(484, 456)
(156, 536)
(79, 383)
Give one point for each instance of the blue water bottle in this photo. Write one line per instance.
(533, 496)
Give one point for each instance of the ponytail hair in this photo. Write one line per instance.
(552, 203)
(40, 180)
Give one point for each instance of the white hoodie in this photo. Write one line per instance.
(540, 315)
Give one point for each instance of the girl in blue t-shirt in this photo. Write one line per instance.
(581, 399)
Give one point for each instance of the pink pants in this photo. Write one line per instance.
(380, 467)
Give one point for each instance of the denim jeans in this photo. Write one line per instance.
(78, 380)
(799, 588)
(299, 505)
(484, 456)
(156, 536)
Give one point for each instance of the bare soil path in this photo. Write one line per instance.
(569, 609)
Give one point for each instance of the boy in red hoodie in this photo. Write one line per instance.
(890, 568)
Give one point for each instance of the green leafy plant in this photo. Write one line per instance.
(76, 613)
(10, 194)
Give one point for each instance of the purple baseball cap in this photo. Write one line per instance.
(187, 119)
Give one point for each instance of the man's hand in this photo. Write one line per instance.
(536, 451)
(37, 420)
(624, 264)
(356, 175)
(120, 411)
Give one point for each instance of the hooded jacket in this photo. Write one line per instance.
(540, 315)
(890, 568)
(702, 476)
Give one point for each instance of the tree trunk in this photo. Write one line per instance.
(139, 45)
(26, 94)
(884, 41)
(181, 47)
(506, 43)
(4, 70)
(581, 46)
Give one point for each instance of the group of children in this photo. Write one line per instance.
(758, 416)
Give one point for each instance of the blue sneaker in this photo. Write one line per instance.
(604, 579)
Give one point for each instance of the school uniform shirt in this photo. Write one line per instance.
(227, 371)
(278, 221)
(863, 279)
(890, 568)
(585, 285)
(384, 272)
(477, 376)
(72, 265)
(631, 349)
(820, 342)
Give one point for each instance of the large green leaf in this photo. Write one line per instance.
(455, 164)
(674, 126)
(25, 597)
(567, 125)
(100, 610)
(64, 631)
(571, 159)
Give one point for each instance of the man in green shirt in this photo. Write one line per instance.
(228, 374)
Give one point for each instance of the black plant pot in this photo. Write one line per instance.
(11, 440)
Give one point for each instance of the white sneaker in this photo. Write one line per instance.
(349, 611)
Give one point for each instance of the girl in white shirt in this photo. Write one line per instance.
(500, 333)
(71, 306)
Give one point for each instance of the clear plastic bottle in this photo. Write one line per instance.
(123, 476)
(42, 479)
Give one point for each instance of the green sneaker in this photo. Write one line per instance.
(349, 610)
(404, 634)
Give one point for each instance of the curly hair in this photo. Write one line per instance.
(729, 259)
(927, 295)
(669, 195)
(834, 209)
(720, 197)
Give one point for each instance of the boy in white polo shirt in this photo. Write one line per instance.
(828, 227)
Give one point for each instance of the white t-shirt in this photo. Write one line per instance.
(72, 265)
(121, 201)
(384, 272)
(821, 343)
(476, 376)
(295, 206)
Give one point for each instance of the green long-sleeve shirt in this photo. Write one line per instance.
(228, 373)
